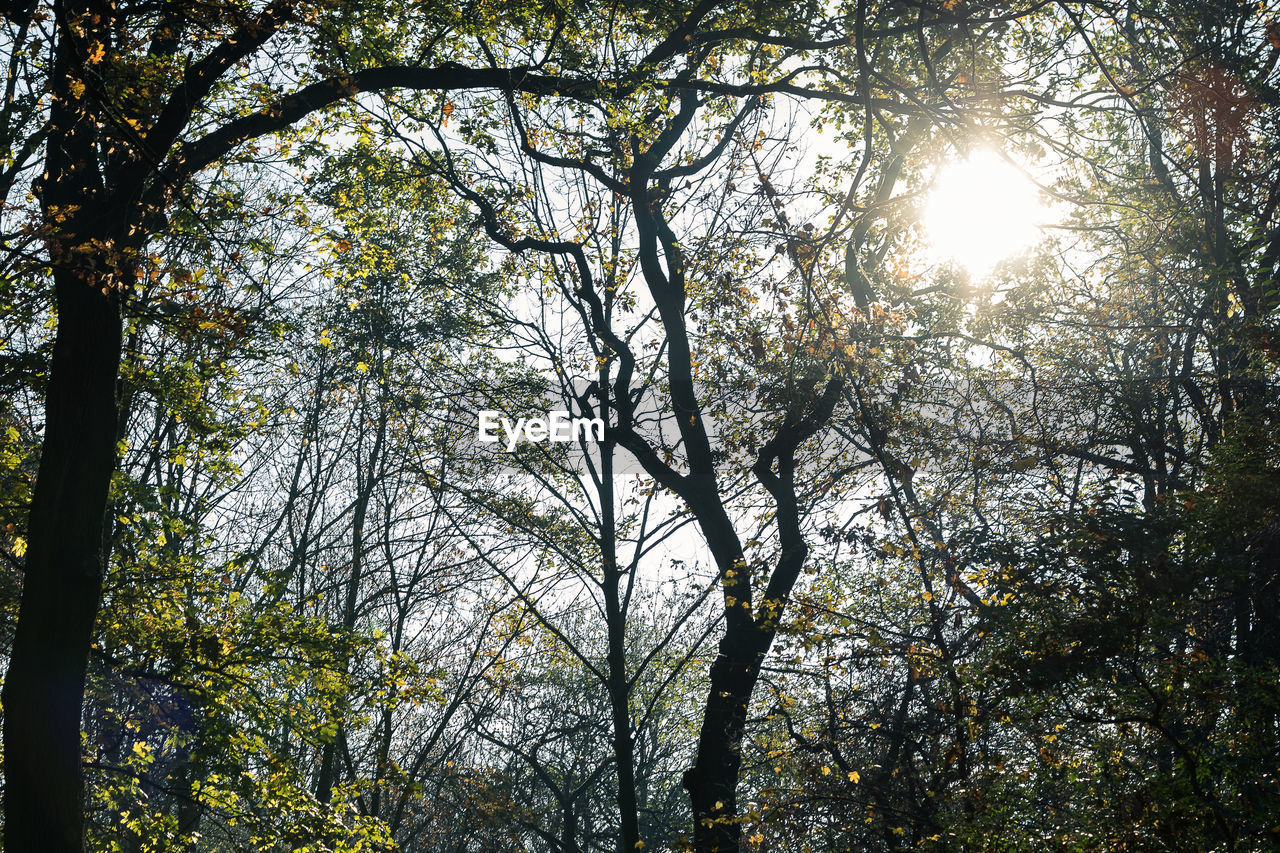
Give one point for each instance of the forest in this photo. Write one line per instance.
(593, 426)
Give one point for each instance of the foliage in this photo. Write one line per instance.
(876, 553)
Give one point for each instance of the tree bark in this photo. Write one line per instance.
(619, 683)
(62, 587)
(93, 256)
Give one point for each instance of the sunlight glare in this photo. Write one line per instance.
(980, 211)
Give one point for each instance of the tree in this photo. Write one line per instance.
(1077, 463)
(132, 105)
(648, 167)
(1154, 620)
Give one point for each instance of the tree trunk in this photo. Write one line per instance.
(62, 586)
(712, 782)
(619, 684)
(93, 254)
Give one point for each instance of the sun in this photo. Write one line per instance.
(981, 210)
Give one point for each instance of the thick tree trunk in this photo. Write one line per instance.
(93, 251)
(62, 587)
(712, 783)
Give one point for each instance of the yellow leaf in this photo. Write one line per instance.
(1233, 305)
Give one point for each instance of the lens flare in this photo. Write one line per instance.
(980, 211)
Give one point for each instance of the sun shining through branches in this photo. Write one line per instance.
(980, 211)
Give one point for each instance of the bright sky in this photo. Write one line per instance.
(982, 210)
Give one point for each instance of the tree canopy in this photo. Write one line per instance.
(924, 491)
